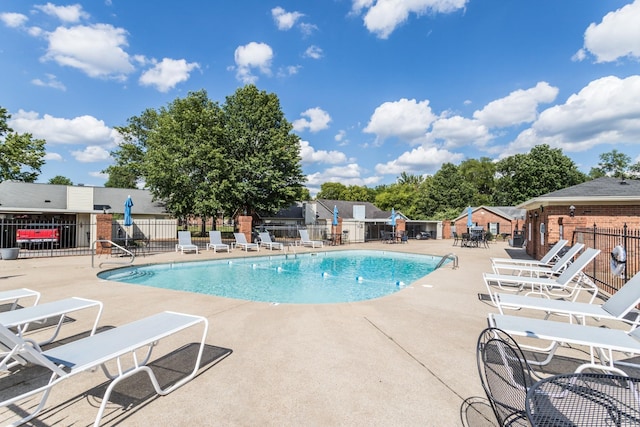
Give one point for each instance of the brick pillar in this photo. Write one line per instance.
(401, 226)
(244, 226)
(103, 230)
(336, 232)
(446, 229)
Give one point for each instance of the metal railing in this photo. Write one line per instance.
(606, 239)
(112, 245)
(450, 256)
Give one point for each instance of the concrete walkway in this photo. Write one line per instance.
(407, 359)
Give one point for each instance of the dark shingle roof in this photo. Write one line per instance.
(24, 196)
(507, 212)
(600, 187)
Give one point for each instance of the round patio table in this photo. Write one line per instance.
(584, 400)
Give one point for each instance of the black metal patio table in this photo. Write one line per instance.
(584, 400)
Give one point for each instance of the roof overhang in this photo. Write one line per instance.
(563, 201)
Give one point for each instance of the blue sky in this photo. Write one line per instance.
(374, 88)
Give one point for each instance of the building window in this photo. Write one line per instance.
(494, 228)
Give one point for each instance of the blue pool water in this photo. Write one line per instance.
(311, 278)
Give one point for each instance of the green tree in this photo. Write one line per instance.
(331, 191)
(541, 171)
(400, 196)
(446, 190)
(481, 174)
(21, 156)
(612, 163)
(410, 179)
(202, 158)
(60, 180)
(184, 162)
(262, 155)
(357, 193)
(127, 170)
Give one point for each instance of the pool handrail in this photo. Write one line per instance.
(451, 256)
(93, 253)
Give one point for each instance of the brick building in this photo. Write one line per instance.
(499, 220)
(606, 202)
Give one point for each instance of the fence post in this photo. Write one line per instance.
(624, 245)
(595, 233)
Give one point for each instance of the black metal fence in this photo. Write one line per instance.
(69, 238)
(601, 271)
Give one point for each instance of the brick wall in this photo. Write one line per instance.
(483, 218)
(559, 223)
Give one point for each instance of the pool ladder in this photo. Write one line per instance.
(451, 256)
(291, 247)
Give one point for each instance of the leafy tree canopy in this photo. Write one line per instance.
(21, 156)
(615, 164)
(60, 180)
(331, 191)
(542, 170)
(203, 158)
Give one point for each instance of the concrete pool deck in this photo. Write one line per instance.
(405, 359)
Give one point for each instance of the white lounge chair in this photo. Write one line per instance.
(306, 241)
(184, 242)
(39, 314)
(615, 308)
(87, 354)
(215, 241)
(547, 259)
(265, 240)
(16, 295)
(544, 286)
(603, 343)
(241, 241)
(538, 271)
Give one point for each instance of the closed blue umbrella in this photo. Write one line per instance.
(128, 222)
(469, 217)
(335, 215)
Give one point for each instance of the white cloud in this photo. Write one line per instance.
(458, 131)
(285, 20)
(13, 20)
(250, 56)
(307, 28)
(318, 119)
(51, 81)
(405, 119)
(105, 176)
(350, 174)
(617, 36)
(97, 50)
(341, 137)
(606, 111)
(71, 13)
(289, 70)
(55, 130)
(91, 154)
(313, 52)
(520, 106)
(383, 16)
(311, 155)
(419, 160)
(167, 73)
(54, 157)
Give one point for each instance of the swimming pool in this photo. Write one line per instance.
(311, 278)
